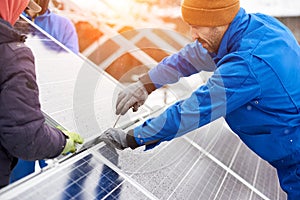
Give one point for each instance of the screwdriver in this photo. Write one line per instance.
(134, 109)
(119, 116)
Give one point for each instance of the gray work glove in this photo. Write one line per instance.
(133, 96)
(115, 138)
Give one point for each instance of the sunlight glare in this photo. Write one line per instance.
(124, 6)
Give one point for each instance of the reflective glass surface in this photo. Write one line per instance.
(86, 178)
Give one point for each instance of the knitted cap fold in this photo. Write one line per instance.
(209, 13)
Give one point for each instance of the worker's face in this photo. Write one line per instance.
(43, 4)
(209, 37)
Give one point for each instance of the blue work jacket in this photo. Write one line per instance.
(254, 86)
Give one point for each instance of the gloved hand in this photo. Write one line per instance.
(115, 138)
(133, 96)
(72, 139)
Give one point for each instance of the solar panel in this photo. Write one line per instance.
(86, 178)
(208, 163)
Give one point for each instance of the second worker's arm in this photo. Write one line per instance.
(191, 59)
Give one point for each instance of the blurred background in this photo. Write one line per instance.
(152, 29)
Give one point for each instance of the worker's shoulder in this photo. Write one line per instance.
(15, 50)
(16, 45)
(11, 50)
(60, 19)
(55, 15)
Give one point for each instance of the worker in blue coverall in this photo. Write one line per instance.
(255, 61)
(59, 27)
(23, 132)
(63, 30)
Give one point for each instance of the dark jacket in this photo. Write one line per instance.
(23, 133)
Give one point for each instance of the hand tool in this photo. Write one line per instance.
(119, 116)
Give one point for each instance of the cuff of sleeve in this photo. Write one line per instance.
(64, 138)
(131, 140)
(139, 140)
(64, 143)
(148, 84)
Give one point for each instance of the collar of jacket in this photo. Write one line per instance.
(48, 12)
(232, 35)
(9, 34)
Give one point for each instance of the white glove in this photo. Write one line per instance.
(133, 96)
(115, 138)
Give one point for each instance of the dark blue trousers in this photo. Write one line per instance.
(24, 168)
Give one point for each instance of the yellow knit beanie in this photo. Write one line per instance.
(209, 12)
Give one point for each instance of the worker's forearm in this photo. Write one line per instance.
(148, 84)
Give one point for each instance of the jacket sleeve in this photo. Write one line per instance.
(231, 86)
(69, 37)
(191, 59)
(23, 131)
(59, 27)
